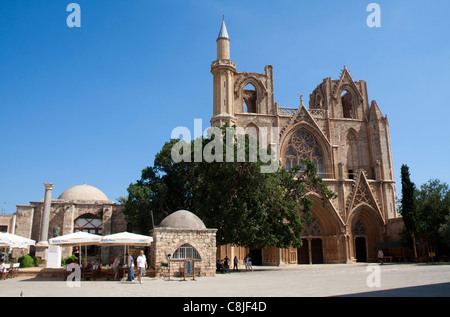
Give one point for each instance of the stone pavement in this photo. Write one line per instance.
(323, 280)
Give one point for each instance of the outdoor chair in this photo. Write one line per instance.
(15, 270)
(6, 272)
(110, 274)
(88, 274)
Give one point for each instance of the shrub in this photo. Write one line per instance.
(26, 261)
(72, 259)
(37, 261)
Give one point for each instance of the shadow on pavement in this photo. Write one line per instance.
(432, 290)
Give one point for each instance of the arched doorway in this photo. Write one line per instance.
(303, 253)
(311, 251)
(360, 249)
(359, 231)
(316, 251)
(366, 230)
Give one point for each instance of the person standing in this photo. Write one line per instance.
(141, 262)
(130, 263)
(235, 264)
(249, 262)
(380, 256)
(116, 264)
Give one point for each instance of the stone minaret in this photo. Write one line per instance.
(223, 70)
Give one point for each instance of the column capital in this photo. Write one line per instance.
(48, 185)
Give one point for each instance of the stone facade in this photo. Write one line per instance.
(182, 235)
(7, 223)
(345, 135)
(68, 215)
(168, 240)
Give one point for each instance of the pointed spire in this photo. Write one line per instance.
(223, 34)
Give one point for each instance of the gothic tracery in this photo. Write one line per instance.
(303, 146)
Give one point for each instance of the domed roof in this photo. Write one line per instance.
(83, 192)
(182, 219)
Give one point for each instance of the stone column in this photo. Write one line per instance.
(46, 214)
(41, 247)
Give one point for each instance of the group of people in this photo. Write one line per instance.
(223, 265)
(141, 263)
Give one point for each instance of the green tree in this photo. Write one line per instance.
(432, 204)
(248, 208)
(408, 206)
(444, 231)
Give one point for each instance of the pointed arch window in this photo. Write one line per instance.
(352, 155)
(311, 228)
(359, 229)
(186, 251)
(249, 95)
(347, 105)
(303, 146)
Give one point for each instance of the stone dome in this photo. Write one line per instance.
(182, 219)
(83, 192)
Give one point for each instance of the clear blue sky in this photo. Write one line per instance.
(95, 104)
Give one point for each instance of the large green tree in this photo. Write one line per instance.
(444, 231)
(433, 204)
(247, 206)
(408, 205)
(424, 210)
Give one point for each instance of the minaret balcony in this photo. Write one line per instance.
(223, 62)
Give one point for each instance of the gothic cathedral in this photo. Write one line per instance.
(345, 135)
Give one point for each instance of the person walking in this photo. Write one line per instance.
(130, 263)
(235, 264)
(141, 262)
(380, 256)
(249, 262)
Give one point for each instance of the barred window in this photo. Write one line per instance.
(88, 223)
(186, 251)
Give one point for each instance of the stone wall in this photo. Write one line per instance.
(168, 240)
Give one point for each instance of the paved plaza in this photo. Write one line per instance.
(290, 281)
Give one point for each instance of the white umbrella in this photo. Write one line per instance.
(15, 241)
(76, 239)
(126, 239)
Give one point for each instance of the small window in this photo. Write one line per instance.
(350, 174)
(186, 251)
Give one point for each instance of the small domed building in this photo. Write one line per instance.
(182, 235)
(79, 208)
